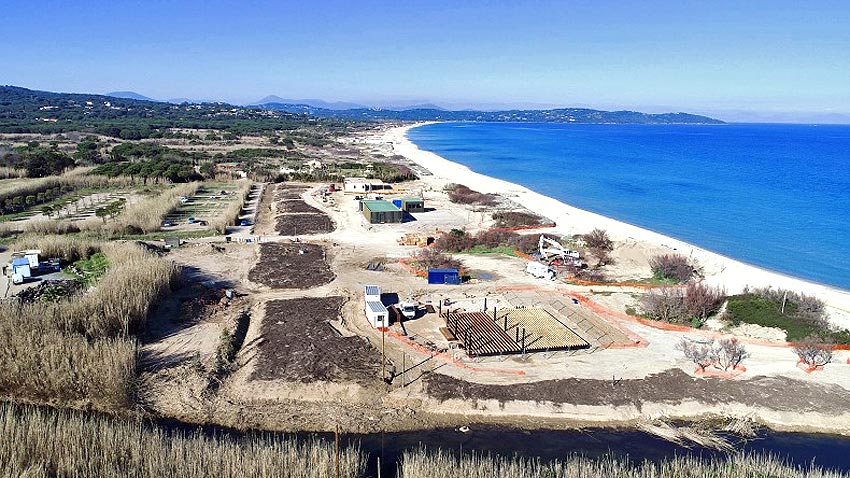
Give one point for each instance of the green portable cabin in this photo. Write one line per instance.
(381, 212)
(413, 205)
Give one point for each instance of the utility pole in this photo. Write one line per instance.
(383, 355)
(336, 449)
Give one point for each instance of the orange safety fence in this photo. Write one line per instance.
(637, 285)
(523, 228)
(411, 269)
(720, 373)
(448, 358)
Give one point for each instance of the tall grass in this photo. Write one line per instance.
(147, 215)
(230, 216)
(427, 464)
(39, 442)
(82, 348)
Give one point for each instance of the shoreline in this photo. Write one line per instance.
(719, 270)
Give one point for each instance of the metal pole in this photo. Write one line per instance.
(403, 370)
(383, 355)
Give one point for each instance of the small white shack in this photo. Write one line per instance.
(363, 185)
(376, 313)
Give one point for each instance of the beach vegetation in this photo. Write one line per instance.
(801, 316)
(43, 442)
(516, 219)
(698, 353)
(422, 463)
(814, 353)
(674, 267)
(691, 305)
(431, 258)
(599, 245)
(460, 194)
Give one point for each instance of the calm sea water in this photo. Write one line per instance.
(776, 196)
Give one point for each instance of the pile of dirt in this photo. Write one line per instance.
(50, 291)
(304, 224)
(291, 266)
(289, 206)
(299, 344)
(672, 386)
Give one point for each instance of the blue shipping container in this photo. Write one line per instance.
(397, 203)
(444, 276)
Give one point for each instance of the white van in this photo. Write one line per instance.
(540, 271)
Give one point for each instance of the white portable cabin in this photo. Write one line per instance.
(377, 314)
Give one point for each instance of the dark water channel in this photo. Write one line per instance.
(828, 451)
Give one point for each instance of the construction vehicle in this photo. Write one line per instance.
(554, 253)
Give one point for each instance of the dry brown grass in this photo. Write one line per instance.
(424, 464)
(40, 442)
(81, 348)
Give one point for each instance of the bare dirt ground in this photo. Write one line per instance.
(301, 344)
(293, 265)
(671, 386)
(301, 369)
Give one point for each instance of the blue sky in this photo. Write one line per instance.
(741, 57)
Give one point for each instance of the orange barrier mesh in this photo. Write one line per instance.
(412, 270)
(720, 373)
(802, 365)
(523, 228)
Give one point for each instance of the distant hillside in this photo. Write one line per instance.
(32, 111)
(313, 103)
(560, 115)
(129, 95)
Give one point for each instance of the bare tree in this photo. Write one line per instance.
(671, 267)
(665, 304)
(600, 245)
(814, 353)
(700, 354)
(727, 354)
(700, 301)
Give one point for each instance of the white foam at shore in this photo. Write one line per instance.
(719, 270)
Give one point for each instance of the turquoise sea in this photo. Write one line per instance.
(775, 196)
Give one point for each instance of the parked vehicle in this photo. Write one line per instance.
(540, 271)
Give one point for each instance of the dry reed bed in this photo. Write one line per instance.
(40, 442)
(429, 464)
(230, 216)
(81, 349)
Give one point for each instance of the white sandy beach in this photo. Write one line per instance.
(732, 274)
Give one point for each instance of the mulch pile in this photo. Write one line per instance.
(300, 345)
(291, 266)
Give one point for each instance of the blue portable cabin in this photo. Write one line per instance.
(20, 265)
(444, 276)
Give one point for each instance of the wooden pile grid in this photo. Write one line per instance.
(585, 322)
(544, 331)
(512, 331)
